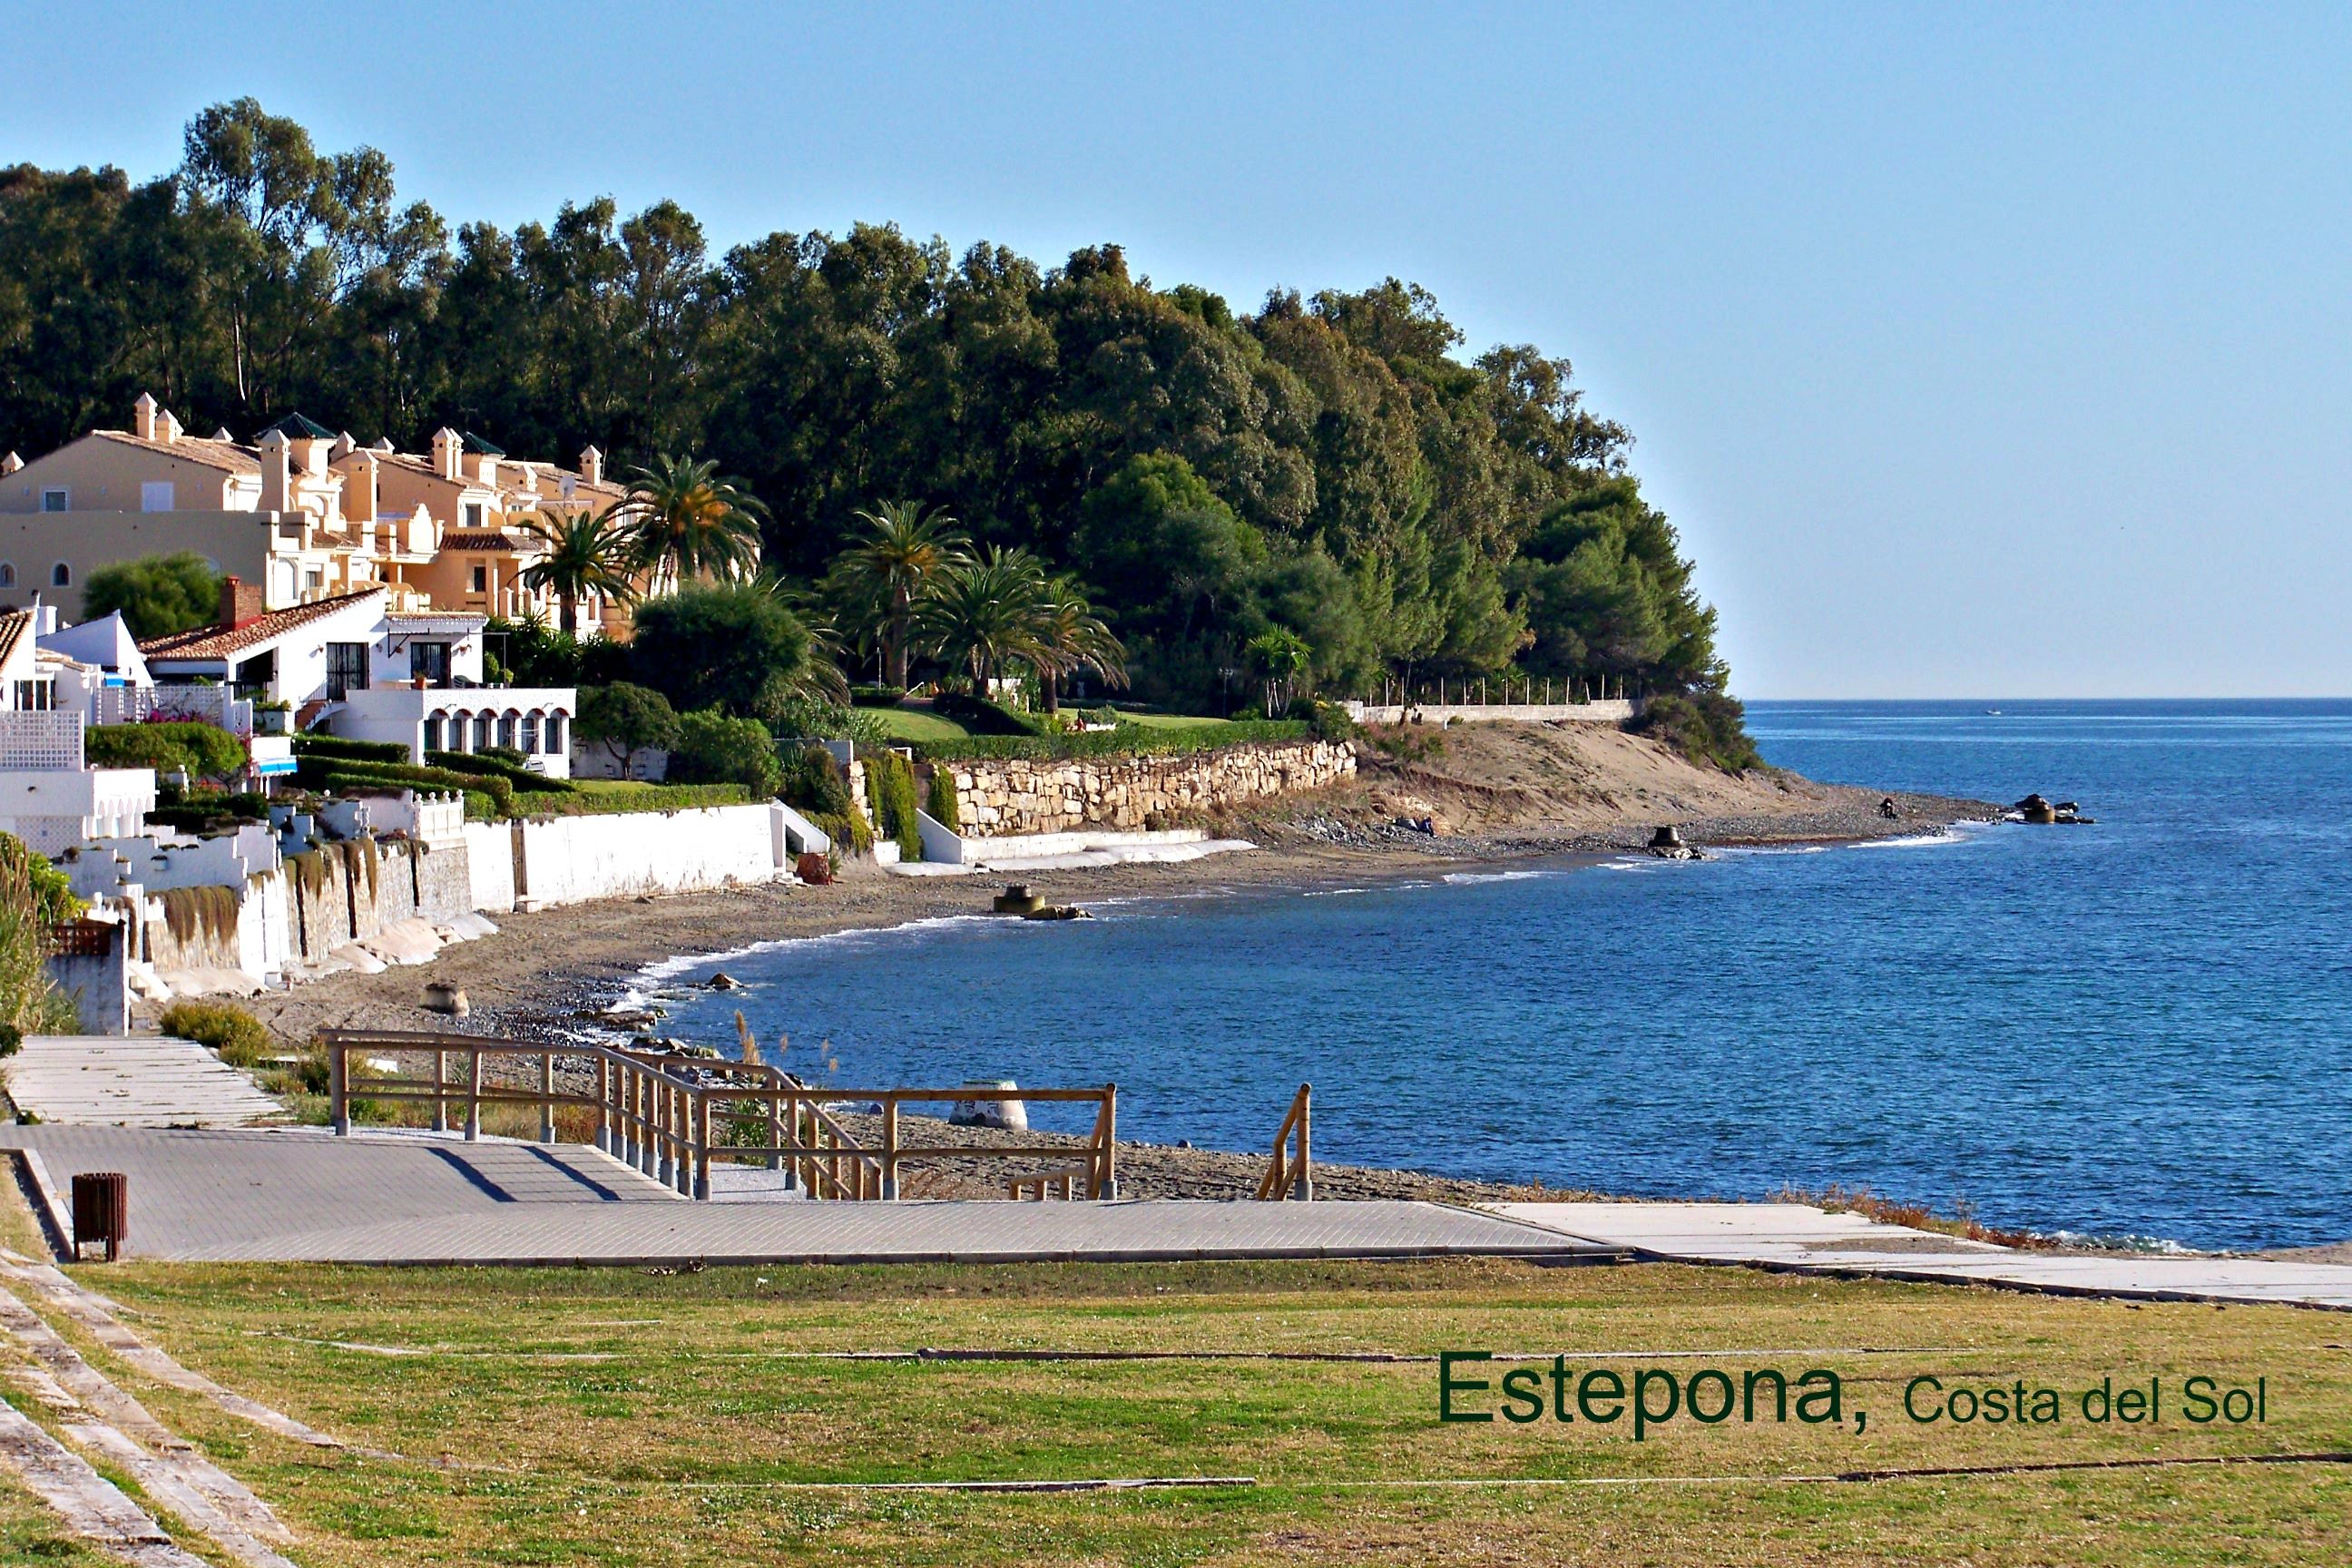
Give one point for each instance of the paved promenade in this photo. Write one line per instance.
(297, 1194)
(1803, 1239)
(300, 1196)
(139, 1080)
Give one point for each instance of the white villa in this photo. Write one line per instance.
(353, 667)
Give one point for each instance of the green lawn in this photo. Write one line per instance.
(613, 1417)
(1169, 720)
(916, 724)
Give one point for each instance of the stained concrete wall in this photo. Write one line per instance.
(569, 860)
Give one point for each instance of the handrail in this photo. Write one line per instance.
(1289, 1177)
(655, 1112)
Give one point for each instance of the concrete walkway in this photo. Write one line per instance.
(138, 1080)
(1803, 1239)
(297, 1195)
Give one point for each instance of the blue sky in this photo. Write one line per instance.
(1975, 350)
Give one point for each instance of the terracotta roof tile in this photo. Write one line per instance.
(224, 455)
(14, 626)
(221, 641)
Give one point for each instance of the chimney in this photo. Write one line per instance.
(11, 463)
(358, 488)
(142, 417)
(168, 429)
(239, 603)
(344, 446)
(592, 464)
(447, 447)
(273, 453)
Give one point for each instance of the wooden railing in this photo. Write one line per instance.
(1289, 1176)
(661, 1113)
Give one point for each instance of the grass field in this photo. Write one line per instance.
(621, 1418)
(916, 724)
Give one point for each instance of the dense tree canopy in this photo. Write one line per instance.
(1331, 467)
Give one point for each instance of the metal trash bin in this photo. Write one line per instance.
(101, 1212)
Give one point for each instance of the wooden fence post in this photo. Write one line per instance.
(702, 1146)
(440, 1090)
(603, 1103)
(338, 1086)
(474, 1095)
(889, 1148)
(547, 1098)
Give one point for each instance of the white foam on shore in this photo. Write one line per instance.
(664, 969)
(1464, 879)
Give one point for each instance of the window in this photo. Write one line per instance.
(54, 498)
(473, 515)
(347, 668)
(481, 579)
(481, 732)
(506, 729)
(429, 662)
(531, 734)
(8, 573)
(60, 576)
(433, 731)
(313, 579)
(35, 696)
(555, 734)
(155, 495)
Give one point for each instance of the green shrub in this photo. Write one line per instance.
(651, 797)
(876, 695)
(890, 785)
(322, 775)
(941, 802)
(981, 716)
(350, 750)
(236, 1035)
(205, 751)
(197, 813)
(812, 781)
(485, 764)
(847, 828)
(715, 748)
(1127, 740)
(1706, 727)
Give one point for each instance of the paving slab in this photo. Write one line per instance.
(297, 1194)
(131, 1080)
(1800, 1238)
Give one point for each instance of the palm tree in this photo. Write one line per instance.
(584, 554)
(986, 612)
(1282, 657)
(685, 520)
(1071, 638)
(903, 557)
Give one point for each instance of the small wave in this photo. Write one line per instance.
(1333, 892)
(1462, 879)
(653, 973)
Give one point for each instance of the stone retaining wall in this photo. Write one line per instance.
(995, 798)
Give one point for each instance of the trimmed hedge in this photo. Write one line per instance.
(349, 751)
(324, 773)
(653, 797)
(1127, 740)
(942, 805)
(979, 716)
(484, 765)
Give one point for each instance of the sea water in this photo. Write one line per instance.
(2140, 1028)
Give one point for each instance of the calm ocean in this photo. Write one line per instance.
(2141, 1028)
